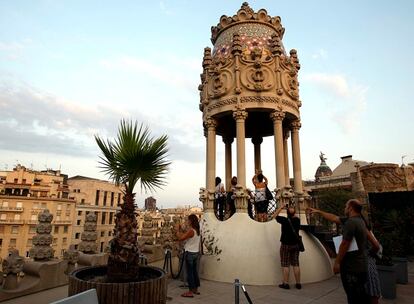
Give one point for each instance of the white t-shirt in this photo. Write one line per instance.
(192, 244)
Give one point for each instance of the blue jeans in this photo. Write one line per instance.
(191, 262)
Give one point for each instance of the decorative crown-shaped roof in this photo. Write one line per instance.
(247, 14)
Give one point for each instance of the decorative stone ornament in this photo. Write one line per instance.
(71, 255)
(42, 250)
(89, 236)
(12, 269)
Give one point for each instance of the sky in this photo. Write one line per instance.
(72, 69)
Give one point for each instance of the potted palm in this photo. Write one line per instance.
(133, 157)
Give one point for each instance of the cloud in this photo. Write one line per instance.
(175, 73)
(14, 50)
(36, 121)
(320, 54)
(346, 100)
(164, 8)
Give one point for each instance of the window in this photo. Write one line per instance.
(119, 198)
(97, 198)
(74, 190)
(64, 240)
(68, 206)
(65, 229)
(12, 243)
(103, 220)
(15, 229)
(16, 180)
(32, 229)
(83, 201)
(19, 205)
(35, 205)
(79, 213)
(59, 207)
(111, 217)
(77, 235)
(1, 228)
(112, 198)
(29, 242)
(104, 198)
(56, 229)
(1, 242)
(44, 206)
(102, 233)
(78, 222)
(109, 233)
(3, 216)
(23, 181)
(33, 217)
(5, 204)
(17, 217)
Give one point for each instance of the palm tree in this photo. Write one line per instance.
(134, 156)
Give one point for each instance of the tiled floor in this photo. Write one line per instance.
(326, 292)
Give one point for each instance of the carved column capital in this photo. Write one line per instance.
(228, 139)
(286, 134)
(277, 116)
(257, 140)
(210, 123)
(240, 114)
(295, 125)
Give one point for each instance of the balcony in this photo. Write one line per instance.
(62, 222)
(14, 209)
(11, 221)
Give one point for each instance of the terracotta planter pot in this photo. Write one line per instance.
(151, 289)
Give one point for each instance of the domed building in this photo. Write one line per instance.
(323, 169)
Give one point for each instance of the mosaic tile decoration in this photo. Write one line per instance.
(251, 35)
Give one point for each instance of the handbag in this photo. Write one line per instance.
(269, 195)
(298, 237)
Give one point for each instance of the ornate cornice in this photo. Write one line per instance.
(247, 14)
(222, 103)
(240, 114)
(277, 115)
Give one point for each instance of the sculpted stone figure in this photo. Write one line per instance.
(89, 236)
(41, 250)
(12, 269)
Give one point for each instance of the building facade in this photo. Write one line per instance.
(24, 193)
(99, 196)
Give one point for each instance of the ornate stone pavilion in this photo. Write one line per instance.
(249, 89)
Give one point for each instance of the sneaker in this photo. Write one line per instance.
(284, 286)
(298, 286)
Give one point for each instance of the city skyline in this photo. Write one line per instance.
(70, 70)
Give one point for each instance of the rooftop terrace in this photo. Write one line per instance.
(326, 292)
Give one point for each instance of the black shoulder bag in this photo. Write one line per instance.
(298, 237)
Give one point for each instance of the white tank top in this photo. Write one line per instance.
(193, 244)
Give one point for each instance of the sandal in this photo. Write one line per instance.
(188, 294)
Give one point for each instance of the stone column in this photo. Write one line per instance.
(286, 155)
(227, 142)
(277, 117)
(297, 170)
(257, 141)
(211, 153)
(240, 117)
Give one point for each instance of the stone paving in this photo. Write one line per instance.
(326, 292)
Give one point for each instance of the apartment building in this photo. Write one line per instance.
(99, 196)
(24, 193)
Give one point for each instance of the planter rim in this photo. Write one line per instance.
(73, 275)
